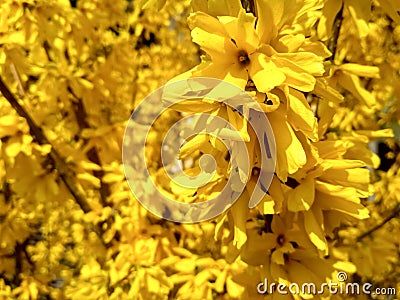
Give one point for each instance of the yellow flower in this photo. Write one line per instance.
(348, 76)
(232, 45)
(328, 189)
(238, 50)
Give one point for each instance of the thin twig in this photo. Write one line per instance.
(17, 79)
(376, 227)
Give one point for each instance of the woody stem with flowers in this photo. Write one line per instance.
(55, 159)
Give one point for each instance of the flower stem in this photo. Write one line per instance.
(395, 212)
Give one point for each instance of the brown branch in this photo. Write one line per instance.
(92, 154)
(18, 264)
(376, 227)
(332, 45)
(54, 157)
(6, 191)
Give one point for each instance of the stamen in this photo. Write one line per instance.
(243, 58)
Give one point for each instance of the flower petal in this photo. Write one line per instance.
(300, 115)
(302, 197)
(360, 12)
(264, 72)
(352, 83)
(289, 151)
(329, 12)
(296, 77)
(309, 62)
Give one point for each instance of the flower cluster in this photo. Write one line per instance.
(320, 176)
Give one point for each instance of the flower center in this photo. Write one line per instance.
(280, 240)
(243, 58)
(255, 171)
